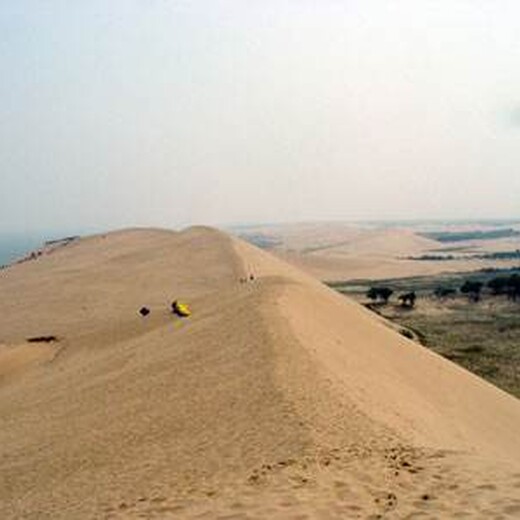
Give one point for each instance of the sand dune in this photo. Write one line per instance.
(386, 242)
(386, 253)
(334, 268)
(278, 398)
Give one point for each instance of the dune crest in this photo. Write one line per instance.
(277, 397)
(418, 393)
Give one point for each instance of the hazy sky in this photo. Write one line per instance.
(164, 112)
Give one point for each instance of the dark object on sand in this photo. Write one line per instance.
(42, 339)
(144, 311)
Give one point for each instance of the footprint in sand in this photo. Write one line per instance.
(386, 500)
(158, 499)
(490, 487)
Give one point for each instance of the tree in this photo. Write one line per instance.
(513, 287)
(383, 293)
(498, 285)
(508, 285)
(472, 288)
(408, 299)
(372, 293)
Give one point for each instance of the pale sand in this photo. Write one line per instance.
(338, 252)
(335, 268)
(16, 358)
(278, 398)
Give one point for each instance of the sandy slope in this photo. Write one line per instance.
(16, 358)
(278, 398)
(380, 243)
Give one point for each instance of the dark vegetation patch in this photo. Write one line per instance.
(497, 255)
(459, 236)
(481, 335)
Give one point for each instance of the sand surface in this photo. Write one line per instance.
(277, 398)
(16, 358)
(339, 252)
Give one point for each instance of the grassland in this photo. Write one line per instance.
(482, 337)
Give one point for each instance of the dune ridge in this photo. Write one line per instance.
(390, 369)
(278, 398)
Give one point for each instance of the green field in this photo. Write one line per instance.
(482, 337)
(460, 236)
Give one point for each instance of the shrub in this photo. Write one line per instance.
(383, 293)
(472, 288)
